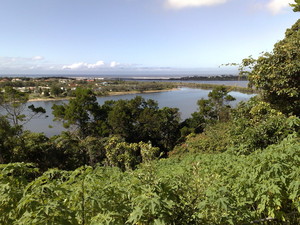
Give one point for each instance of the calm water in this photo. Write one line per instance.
(185, 99)
(242, 83)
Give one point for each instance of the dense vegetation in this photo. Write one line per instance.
(196, 189)
(130, 162)
(210, 78)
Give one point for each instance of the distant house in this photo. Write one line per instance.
(16, 79)
(63, 81)
(72, 85)
(44, 87)
(22, 89)
(4, 80)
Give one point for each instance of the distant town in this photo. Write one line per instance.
(54, 87)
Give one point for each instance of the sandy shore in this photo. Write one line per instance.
(108, 94)
(47, 99)
(138, 92)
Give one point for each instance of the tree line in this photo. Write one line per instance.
(93, 127)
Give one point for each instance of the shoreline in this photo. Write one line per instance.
(197, 86)
(108, 94)
(138, 92)
(48, 99)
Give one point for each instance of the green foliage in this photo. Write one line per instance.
(70, 154)
(211, 110)
(276, 74)
(7, 140)
(127, 156)
(55, 90)
(167, 128)
(13, 180)
(257, 125)
(214, 108)
(43, 201)
(194, 124)
(134, 86)
(36, 109)
(46, 93)
(13, 104)
(296, 6)
(134, 120)
(215, 138)
(141, 120)
(94, 149)
(194, 189)
(79, 112)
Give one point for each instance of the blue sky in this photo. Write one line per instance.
(136, 36)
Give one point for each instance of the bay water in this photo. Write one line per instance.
(185, 99)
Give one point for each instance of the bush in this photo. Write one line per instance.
(257, 125)
(215, 138)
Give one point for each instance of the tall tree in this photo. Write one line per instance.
(14, 106)
(55, 90)
(7, 135)
(277, 74)
(130, 118)
(141, 120)
(13, 102)
(214, 109)
(80, 112)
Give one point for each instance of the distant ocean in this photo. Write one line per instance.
(146, 77)
(131, 76)
(143, 73)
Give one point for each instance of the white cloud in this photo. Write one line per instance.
(114, 64)
(37, 58)
(88, 66)
(83, 65)
(179, 4)
(38, 63)
(74, 66)
(277, 6)
(96, 65)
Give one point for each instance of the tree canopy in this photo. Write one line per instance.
(14, 105)
(296, 6)
(277, 74)
(79, 112)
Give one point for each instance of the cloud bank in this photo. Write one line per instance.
(278, 6)
(83, 65)
(179, 4)
(38, 63)
(275, 6)
(90, 66)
